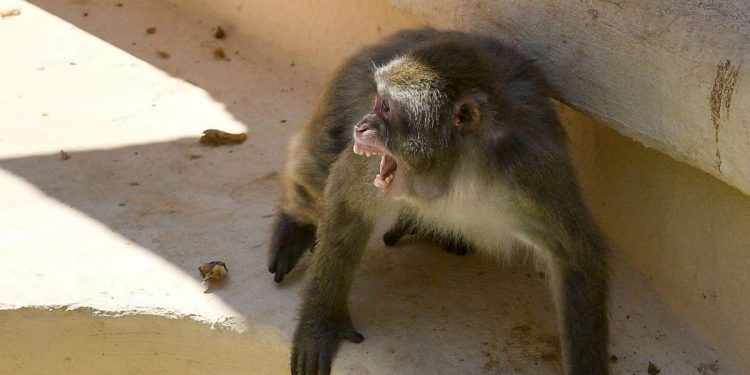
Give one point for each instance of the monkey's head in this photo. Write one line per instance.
(427, 101)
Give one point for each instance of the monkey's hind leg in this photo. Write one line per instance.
(455, 245)
(405, 225)
(289, 241)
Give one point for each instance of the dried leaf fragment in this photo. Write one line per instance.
(213, 271)
(10, 13)
(652, 369)
(213, 137)
(162, 54)
(64, 155)
(220, 33)
(219, 54)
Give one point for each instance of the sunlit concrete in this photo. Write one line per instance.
(111, 238)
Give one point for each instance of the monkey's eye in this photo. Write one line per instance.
(384, 107)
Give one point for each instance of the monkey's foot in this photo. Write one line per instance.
(394, 235)
(316, 342)
(456, 246)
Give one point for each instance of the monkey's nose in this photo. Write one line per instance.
(363, 127)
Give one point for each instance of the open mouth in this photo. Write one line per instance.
(388, 164)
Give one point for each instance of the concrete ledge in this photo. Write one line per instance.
(121, 226)
(80, 342)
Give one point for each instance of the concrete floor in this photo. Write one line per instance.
(120, 228)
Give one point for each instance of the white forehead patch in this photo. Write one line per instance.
(382, 71)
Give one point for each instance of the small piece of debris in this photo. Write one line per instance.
(64, 155)
(86, 14)
(613, 358)
(151, 30)
(134, 184)
(652, 369)
(219, 54)
(214, 273)
(291, 64)
(121, 204)
(119, 5)
(710, 368)
(194, 156)
(220, 33)
(10, 13)
(162, 54)
(282, 121)
(213, 137)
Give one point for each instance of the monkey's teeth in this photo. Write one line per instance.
(382, 183)
(356, 149)
(368, 154)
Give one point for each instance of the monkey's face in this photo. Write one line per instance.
(418, 150)
(419, 113)
(370, 138)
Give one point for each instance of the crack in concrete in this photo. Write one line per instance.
(721, 96)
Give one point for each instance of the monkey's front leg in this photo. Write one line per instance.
(324, 318)
(581, 289)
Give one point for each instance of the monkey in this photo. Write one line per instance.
(458, 135)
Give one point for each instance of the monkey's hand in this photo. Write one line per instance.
(319, 333)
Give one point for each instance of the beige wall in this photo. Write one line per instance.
(688, 231)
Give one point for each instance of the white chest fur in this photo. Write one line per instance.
(484, 214)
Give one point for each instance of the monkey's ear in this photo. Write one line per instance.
(466, 114)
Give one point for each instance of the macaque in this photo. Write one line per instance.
(455, 133)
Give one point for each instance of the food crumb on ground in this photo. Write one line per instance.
(10, 13)
(220, 33)
(162, 54)
(213, 137)
(219, 54)
(652, 369)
